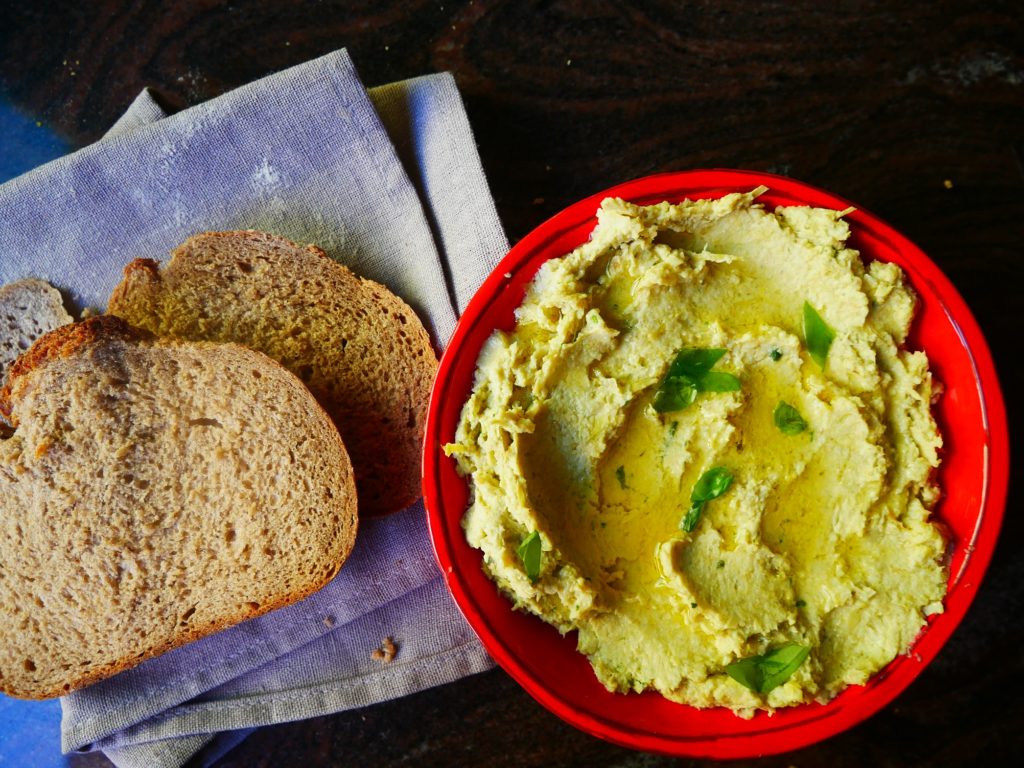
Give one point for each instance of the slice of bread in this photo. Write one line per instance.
(362, 351)
(28, 309)
(155, 491)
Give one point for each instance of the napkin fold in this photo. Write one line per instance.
(390, 183)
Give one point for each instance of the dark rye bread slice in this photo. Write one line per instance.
(360, 349)
(155, 491)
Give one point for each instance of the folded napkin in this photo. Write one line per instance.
(388, 182)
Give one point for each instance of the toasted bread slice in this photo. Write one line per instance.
(28, 309)
(362, 351)
(153, 492)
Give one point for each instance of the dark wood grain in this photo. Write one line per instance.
(882, 103)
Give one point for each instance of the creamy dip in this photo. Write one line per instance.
(582, 487)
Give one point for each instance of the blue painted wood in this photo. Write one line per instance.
(25, 142)
(30, 733)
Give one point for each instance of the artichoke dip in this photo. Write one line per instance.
(704, 447)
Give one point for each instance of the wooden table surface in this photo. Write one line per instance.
(913, 110)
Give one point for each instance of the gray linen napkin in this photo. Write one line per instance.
(388, 182)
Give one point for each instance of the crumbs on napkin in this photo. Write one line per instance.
(387, 651)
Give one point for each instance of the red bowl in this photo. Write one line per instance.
(973, 477)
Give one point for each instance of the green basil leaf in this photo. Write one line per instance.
(763, 673)
(788, 419)
(692, 516)
(779, 665)
(620, 475)
(690, 373)
(529, 552)
(711, 484)
(694, 362)
(818, 335)
(746, 672)
(674, 394)
(775, 354)
(716, 381)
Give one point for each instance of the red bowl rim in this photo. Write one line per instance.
(963, 584)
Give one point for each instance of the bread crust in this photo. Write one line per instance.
(400, 362)
(62, 343)
(72, 341)
(188, 635)
(28, 309)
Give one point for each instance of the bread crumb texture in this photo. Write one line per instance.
(28, 309)
(387, 651)
(360, 349)
(153, 492)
